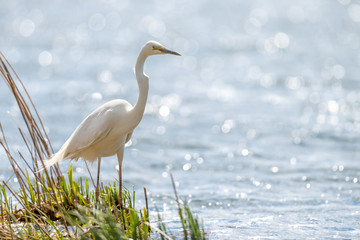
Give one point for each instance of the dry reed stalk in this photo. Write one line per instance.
(36, 139)
(38, 145)
(182, 220)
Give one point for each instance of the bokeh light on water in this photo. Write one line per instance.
(258, 121)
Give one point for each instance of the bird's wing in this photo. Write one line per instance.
(91, 130)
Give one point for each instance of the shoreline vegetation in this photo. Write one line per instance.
(50, 205)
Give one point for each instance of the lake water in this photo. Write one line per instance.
(258, 121)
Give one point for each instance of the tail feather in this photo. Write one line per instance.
(57, 157)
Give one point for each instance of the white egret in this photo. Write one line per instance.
(105, 131)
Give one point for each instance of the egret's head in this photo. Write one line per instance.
(155, 48)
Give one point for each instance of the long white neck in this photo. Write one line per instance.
(143, 83)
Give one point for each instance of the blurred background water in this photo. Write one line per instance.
(258, 121)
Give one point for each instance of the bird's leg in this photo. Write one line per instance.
(97, 191)
(120, 156)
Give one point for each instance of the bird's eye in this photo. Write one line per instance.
(156, 47)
